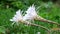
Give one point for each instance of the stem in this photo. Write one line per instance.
(47, 21)
(55, 29)
(26, 22)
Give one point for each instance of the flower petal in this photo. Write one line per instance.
(17, 17)
(31, 13)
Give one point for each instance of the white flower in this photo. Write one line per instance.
(31, 13)
(17, 17)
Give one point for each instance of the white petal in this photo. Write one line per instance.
(11, 19)
(17, 17)
(27, 17)
(31, 13)
(18, 12)
(31, 9)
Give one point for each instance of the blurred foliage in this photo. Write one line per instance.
(46, 9)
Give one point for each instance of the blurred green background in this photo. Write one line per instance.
(48, 9)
